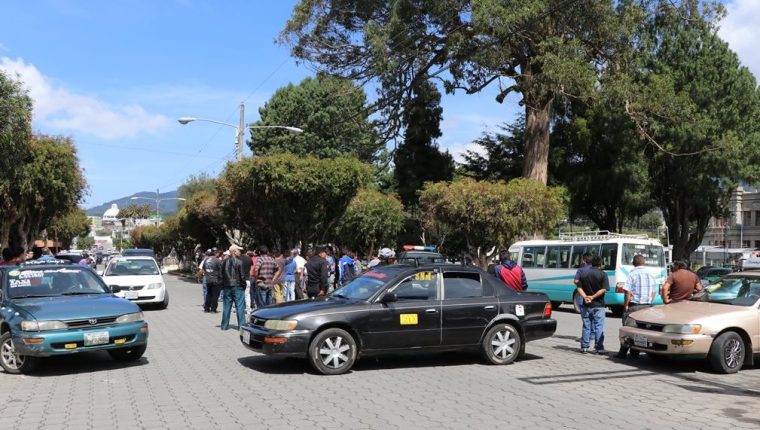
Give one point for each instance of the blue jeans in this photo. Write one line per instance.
(290, 291)
(263, 297)
(230, 294)
(593, 324)
(205, 289)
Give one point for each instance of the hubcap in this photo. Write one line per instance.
(334, 352)
(9, 356)
(502, 344)
(732, 353)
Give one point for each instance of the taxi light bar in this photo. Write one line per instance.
(430, 248)
(548, 310)
(275, 339)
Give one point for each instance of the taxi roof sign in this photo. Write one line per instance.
(429, 248)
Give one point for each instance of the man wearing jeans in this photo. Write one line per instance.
(640, 289)
(593, 284)
(233, 287)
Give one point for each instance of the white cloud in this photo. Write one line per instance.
(741, 30)
(58, 108)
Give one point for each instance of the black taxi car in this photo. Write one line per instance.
(399, 308)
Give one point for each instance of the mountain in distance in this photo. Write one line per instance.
(168, 207)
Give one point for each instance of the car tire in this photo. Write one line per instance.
(727, 353)
(502, 344)
(617, 311)
(165, 303)
(332, 351)
(10, 361)
(132, 353)
(576, 307)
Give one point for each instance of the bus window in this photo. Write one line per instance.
(579, 250)
(609, 256)
(533, 256)
(557, 257)
(653, 254)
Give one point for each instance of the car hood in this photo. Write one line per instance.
(688, 312)
(290, 309)
(128, 281)
(75, 307)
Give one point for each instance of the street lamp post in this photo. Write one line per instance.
(239, 129)
(158, 204)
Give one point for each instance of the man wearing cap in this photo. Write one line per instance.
(233, 287)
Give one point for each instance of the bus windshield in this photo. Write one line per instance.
(653, 254)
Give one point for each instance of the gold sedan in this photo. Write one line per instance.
(722, 326)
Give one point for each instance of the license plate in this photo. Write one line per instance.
(246, 336)
(131, 295)
(640, 340)
(96, 338)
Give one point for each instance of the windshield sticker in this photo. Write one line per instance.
(15, 283)
(408, 319)
(29, 274)
(13, 273)
(376, 275)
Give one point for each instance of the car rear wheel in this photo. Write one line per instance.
(132, 353)
(502, 344)
(11, 361)
(576, 306)
(332, 352)
(727, 353)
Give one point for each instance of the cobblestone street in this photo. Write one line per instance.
(195, 376)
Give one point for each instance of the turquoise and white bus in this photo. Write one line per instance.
(550, 265)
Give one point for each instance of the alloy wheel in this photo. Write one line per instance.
(334, 352)
(9, 356)
(732, 352)
(502, 344)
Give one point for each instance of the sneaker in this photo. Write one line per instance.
(584, 350)
(600, 352)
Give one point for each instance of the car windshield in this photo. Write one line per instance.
(653, 254)
(363, 287)
(735, 290)
(47, 282)
(131, 267)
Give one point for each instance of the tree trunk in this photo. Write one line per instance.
(537, 120)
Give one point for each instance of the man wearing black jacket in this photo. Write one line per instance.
(317, 274)
(233, 287)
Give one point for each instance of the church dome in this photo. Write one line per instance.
(111, 213)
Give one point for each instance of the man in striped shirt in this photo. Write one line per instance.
(640, 290)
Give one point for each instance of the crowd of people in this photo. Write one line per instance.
(250, 279)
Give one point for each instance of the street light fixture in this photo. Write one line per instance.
(240, 128)
(158, 203)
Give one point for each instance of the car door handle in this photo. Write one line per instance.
(431, 311)
(490, 307)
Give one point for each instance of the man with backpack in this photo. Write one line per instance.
(510, 273)
(346, 269)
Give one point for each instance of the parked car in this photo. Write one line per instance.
(723, 326)
(56, 308)
(403, 308)
(711, 275)
(131, 252)
(138, 279)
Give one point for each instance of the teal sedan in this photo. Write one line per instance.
(55, 308)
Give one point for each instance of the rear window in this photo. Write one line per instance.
(653, 254)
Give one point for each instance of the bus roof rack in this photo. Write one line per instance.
(598, 235)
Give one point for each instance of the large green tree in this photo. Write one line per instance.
(65, 227)
(501, 154)
(490, 215)
(418, 160)
(332, 113)
(372, 220)
(284, 199)
(543, 50)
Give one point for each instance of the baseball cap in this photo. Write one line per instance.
(386, 253)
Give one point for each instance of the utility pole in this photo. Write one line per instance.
(158, 210)
(240, 133)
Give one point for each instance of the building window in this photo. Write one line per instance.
(757, 218)
(747, 218)
(746, 244)
(757, 244)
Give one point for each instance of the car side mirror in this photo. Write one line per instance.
(389, 297)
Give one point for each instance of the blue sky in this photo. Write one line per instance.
(116, 75)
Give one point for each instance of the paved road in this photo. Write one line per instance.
(195, 376)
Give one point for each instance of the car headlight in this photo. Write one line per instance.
(42, 325)
(281, 325)
(682, 328)
(630, 322)
(154, 286)
(128, 318)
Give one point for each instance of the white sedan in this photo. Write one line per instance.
(137, 279)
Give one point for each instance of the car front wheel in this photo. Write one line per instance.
(502, 344)
(727, 353)
(11, 361)
(332, 352)
(132, 353)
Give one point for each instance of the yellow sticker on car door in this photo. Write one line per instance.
(408, 319)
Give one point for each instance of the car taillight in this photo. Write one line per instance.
(619, 287)
(548, 310)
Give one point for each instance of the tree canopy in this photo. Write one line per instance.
(372, 220)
